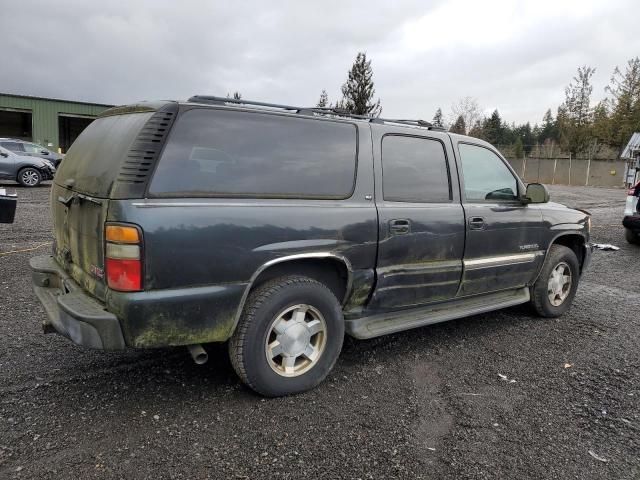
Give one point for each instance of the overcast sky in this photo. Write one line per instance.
(513, 56)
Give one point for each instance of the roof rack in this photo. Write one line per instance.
(340, 112)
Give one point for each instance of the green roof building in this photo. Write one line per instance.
(50, 122)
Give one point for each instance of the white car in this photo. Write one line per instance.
(631, 220)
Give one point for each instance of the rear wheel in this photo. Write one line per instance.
(631, 236)
(289, 337)
(29, 177)
(557, 284)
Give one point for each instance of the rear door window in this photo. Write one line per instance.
(414, 170)
(13, 146)
(230, 153)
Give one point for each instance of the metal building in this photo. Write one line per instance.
(50, 122)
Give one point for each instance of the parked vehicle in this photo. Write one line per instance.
(8, 202)
(278, 229)
(22, 147)
(26, 170)
(631, 220)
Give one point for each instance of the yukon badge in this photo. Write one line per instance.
(530, 246)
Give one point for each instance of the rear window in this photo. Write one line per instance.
(228, 153)
(94, 159)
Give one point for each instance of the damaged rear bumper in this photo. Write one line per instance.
(71, 312)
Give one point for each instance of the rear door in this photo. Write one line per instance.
(504, 236)
(421, 221)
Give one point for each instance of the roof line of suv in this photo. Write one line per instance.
(332, 111)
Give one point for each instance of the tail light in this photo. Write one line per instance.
(633, 190)
(123, 257)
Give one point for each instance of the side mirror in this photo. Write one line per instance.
(537, 193)
(4, 154)
(44, 152)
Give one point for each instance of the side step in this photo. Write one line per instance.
(385, 323)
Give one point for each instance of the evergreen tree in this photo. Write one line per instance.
(437, 119)
(477, 130)
(459, 126)
(324, 99)
(576, 112)
(493, 129)
(624, 89)
(548, 129)
(236, 95)
(358, 91)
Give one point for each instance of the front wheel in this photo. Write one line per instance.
(289, 337)
(29, 177)
(631, 237)
(557, 283)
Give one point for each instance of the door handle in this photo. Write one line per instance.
(400, 226)
(476, 223)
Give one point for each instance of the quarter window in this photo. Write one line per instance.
(414, 170)
(486, 177)
(218, 152)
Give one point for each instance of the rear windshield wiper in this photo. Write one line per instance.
(67, 201)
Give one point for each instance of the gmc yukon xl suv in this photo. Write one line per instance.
(279, 229)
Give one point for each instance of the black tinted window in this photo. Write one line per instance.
(253, 154)
(414, 170)
(13, 146)
(486, 177)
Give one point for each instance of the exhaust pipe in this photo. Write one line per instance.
(198, 354)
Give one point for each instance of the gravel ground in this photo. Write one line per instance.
(429, 403)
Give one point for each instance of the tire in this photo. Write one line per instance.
(29, 177)
(262, 329)
(560, 259)
(631, 237)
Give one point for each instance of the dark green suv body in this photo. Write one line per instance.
(279, 229)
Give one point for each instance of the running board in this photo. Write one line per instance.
(391, 322)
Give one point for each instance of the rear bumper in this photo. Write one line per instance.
(71, 312)
(148, 319)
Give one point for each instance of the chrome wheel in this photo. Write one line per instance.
(559, 284)
(30, 177)
(296, 340)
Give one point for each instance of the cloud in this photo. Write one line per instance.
(514, 56)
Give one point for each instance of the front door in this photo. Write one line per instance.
(7, 164)
(504, 236)
(421, 220)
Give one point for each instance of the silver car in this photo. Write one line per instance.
(22, 147)
(28, 171)
(631, 220)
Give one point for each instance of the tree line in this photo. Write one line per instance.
(577, 125)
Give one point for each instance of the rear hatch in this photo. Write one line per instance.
(111, 159)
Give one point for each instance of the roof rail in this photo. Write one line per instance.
(337, 111)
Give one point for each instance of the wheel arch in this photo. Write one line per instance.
(576, 241)
(332, 269)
